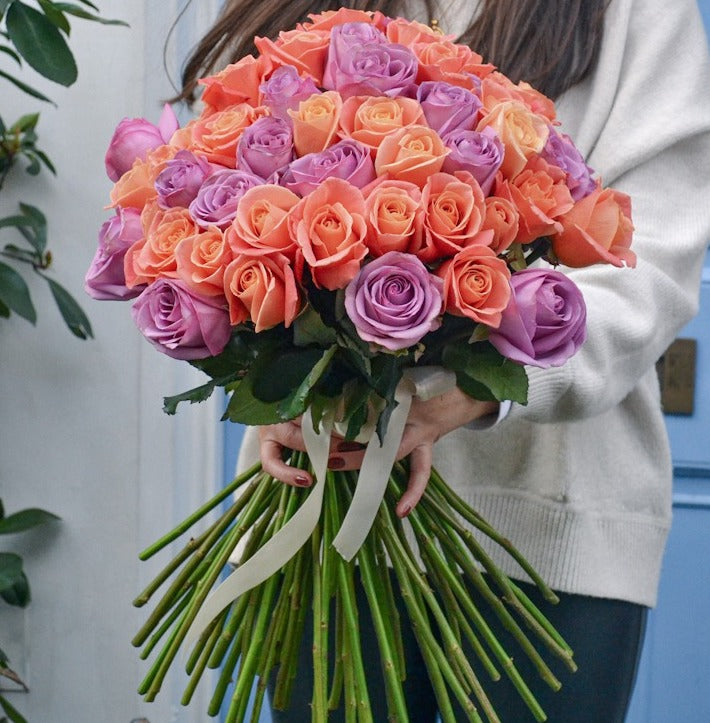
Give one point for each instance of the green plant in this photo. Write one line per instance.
(15, 589)
(38, 37)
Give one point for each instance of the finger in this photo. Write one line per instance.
(419, 470)
(270, 451)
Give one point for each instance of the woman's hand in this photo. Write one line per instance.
(427, 422)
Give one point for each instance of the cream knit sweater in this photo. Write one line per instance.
(580, 478)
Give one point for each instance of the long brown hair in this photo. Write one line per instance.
(552, 44)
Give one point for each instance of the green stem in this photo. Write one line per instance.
(198, 662)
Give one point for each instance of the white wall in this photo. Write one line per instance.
(81, 428)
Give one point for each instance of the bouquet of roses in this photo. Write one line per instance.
(361, 214)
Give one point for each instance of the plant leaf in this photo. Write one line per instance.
(12, 713)
(55, 15)
(15, 294)
(244, 408)
(71, 312)
(26, 88)
(11, 573)
(198, 394)
(25, 520)
(9, 51)
(24, 123)
(297, 402)
(17, 594)
(277, 376)
(78, 12)
(40, 43)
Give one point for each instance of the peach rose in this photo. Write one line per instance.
(262, 290)
(315, 122)
(502, 218)
(454, 208)
(330, 230)
(306, 50)
(217, 135)
(394, 216)
(522, 132)
(410, 32)
(201, 260)
(476, 284)
(136, 187)
(411, 154)
(330, 18)
(540, 195)
(598, 229)
(261, 224)
(154, 255)
(238, 83)
(368, 119)
(451, 62)
(497, 88)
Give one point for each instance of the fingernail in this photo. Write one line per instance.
(302, 481)
(405, 510)
(336, 463)
(350, 447)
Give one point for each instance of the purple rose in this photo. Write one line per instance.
(481, 154)
(134, 137)
(346, 159)
(181, 323)
(448, 107)
(394, 301)
(286, 89)
(560, 151)
(545, 322)
(265, 146)
(178, 183)
(217, 200)
(105, 278)
(360, 62)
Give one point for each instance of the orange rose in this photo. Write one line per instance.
(476, 284)
(497, 88)
(306, 50)
(136, 187)
(262, 290)
(368, 119)
(394, 215)
(598, 229)
(411, 154)
(410, 32)
(540, 195)
(237, 83)
(201, 260)
(217, 135)
(501, 218)
(454, 208)
(261, 224)
(154, 255)
(327, 20)
(330, 230)
(315, 122)
(522, 133)
(450, 62)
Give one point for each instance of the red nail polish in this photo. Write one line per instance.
(350, 447)
(302, 481)
(405, 510)
(336, 463)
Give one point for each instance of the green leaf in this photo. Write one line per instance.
(25, 520)
(17, 594)
(11, 574)
(9, 51)
(308, 328)
(3, 6)
(297, 402)
(4, 311)
(485, 374)
(40, 43)
(55, 15)
(34, 166)
(12, 713)
(234, 358)
(45, 159)
(26, 88)
(25, 123)
(71, 312)
(245, 408)
(81, 13)
(198, 394)
(15, 294)
(277, 377)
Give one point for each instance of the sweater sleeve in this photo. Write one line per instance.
(644, 121)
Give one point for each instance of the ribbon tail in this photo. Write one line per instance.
(270, 558)
(373, 478)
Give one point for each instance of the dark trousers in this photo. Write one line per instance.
(606, 636)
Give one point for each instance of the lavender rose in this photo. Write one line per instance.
(346, 159)
(178, 183)
(181, 323)
(479, 153)
(560, 151)
(134, 137)
(360, 62)
(105, 278)
(217, 200)
(545, 322)
(286, 89)
(448, 107)
(265, 146)
(394, 301)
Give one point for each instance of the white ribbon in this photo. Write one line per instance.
(422, 382)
